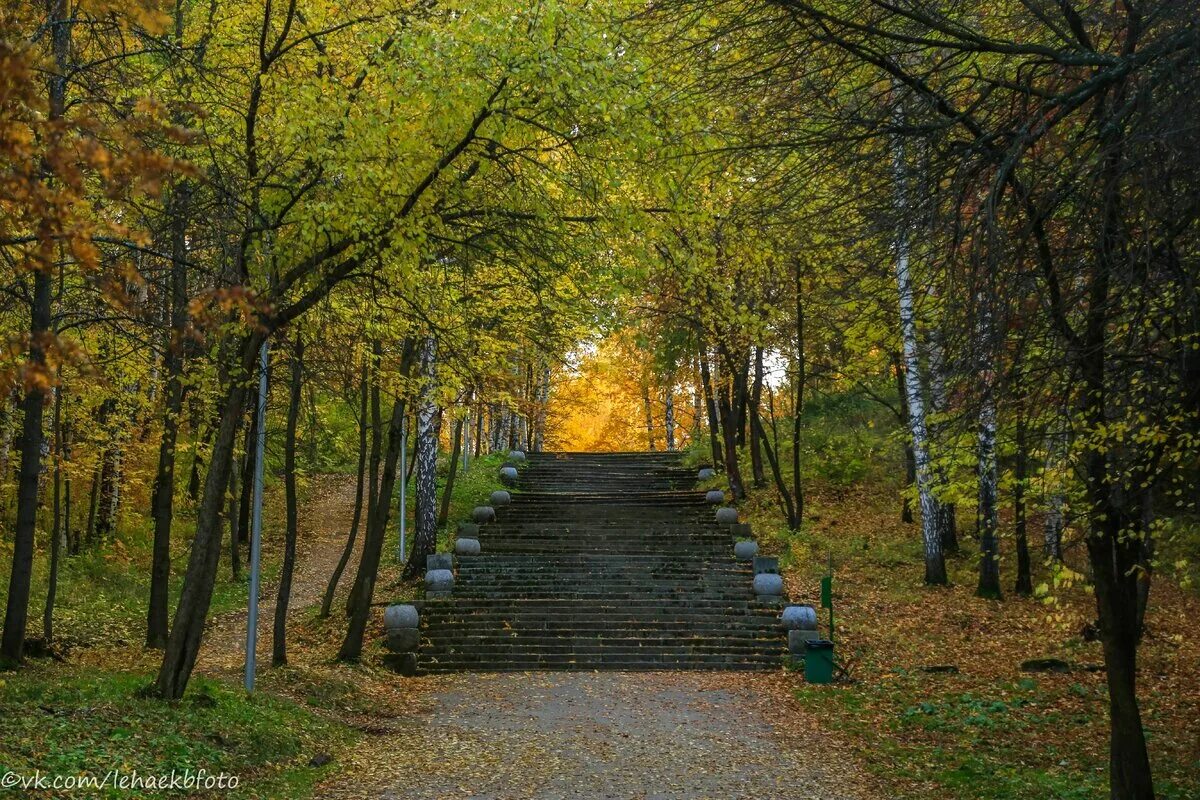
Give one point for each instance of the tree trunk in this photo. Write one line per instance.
(784, 496)
(16, 613)
(465, 458)
(733, 472)
(163, 495)
(376, 455)
(425, 517)
(649, 417)
(247, 471)
(93, 499)
(1113, 554)
(714, 435)
(231, 518)
(377, 519)
(756, 462)
(110, 481)
(670, 418)
(249, 463)
(479, 431)
(444, 511)
(1053, 527)
(931, 535)
(539, 438)
(1117, 503)
(56, 532)
(947, 512)
(295, 398)
(1024, 584)
(70, 533)
(493, 429)
(183, 644)
(741, 396)
(193, 487)
(348, 550)
(799, 384)
(989, 543)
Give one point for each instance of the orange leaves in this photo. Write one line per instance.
(64, 180)
(152, 15)
(17, 371)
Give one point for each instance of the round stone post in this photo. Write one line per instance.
(402, 623)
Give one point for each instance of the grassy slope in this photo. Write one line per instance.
(990, 731)
(71, 719)
(87, 714)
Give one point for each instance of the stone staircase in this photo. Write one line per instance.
(602, 561)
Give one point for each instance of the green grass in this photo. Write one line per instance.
(71, 720)
(102, 593)
(959, 741)
(471, 488)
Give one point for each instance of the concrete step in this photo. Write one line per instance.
(602, 561)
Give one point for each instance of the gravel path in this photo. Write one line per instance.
(543, 736)
(604, 735)
(324, 524)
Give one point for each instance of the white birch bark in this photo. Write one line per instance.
(426, 493)
(988, 475)
(987, 469)
(935, 566)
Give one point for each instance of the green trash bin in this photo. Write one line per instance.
(818, 661)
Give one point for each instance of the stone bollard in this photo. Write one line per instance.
(516, 455)
(766, 565)
(799, 618)
(401, 663)
(402, 623)
(500, 498)
(508, 476)
(439, 561)
(800, 621)
(439, 583)
(466, 547)
(715, 496)
(482, 514)
(726, 515)
(741, 530)
(468, 530)
(706, 474)
(797, 640)
(403, 640)
(768, 587)
(745, 550)
(401, 615)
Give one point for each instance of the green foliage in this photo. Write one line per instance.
(471, 488)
